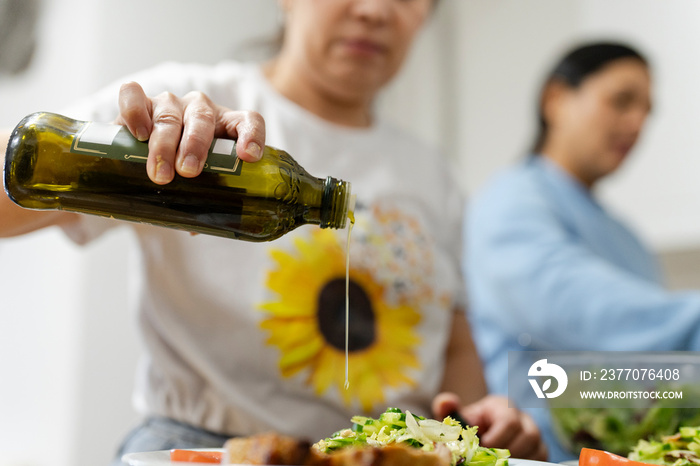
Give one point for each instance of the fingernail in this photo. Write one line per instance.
(190, 165)
(164, 172)
(254, 150)
(142, 134)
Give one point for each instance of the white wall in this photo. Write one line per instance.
(68, 345)
(38, 348)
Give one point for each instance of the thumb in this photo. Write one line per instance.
(444, 404)
(249, 130)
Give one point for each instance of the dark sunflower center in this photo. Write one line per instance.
(331, 316)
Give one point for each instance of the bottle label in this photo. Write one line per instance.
(116, 142)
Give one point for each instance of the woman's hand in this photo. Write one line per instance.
(500, 426)
(180, 130)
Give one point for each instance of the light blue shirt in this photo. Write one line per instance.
(549, 269)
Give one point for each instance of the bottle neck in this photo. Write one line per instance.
(335, 203)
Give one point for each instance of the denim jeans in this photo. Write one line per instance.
(159, 433)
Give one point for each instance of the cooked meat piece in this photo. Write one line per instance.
(275, 449)
(268, 448)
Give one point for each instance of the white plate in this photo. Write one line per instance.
(162, 458)
(158, 458)
(519, 462)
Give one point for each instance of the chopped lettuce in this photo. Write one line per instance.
(681, 449)
(395, 426)
(617, 429)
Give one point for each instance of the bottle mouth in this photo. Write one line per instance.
(336, 203)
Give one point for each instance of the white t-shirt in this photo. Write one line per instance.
(247, 337)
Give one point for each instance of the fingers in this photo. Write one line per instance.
(180, 131)
(135, 110)
(497, 422)
(249, 130)
(542, 454)
(527, 443)
(199, 122)
(503, 431)
(168, 114)
(501, 426)
(444, 404)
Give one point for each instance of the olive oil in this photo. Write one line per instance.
(351, 217)
(55, 162)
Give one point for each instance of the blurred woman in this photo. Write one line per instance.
(243, 338)
(548, 268)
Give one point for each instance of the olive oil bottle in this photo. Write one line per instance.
(55, 162)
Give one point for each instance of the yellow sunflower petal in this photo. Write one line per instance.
(326, 370)
(301, 353)
(283, 310)
(370, 391)
(293, 332)
(291, 324)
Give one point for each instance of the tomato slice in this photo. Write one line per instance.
(192, 456)
(590, 457)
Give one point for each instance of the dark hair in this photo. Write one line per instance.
(575, 67)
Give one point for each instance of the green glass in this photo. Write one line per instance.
(55, 162)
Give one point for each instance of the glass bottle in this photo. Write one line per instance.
(55, 162)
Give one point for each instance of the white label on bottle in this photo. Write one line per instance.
(116, 142)
(224, 146)
(99, 133)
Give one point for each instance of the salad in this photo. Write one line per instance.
(615, 429)
(681, 449)
(397, 427)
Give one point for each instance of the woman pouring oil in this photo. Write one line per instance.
(242, 338)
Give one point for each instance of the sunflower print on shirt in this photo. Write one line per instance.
(390, 258)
